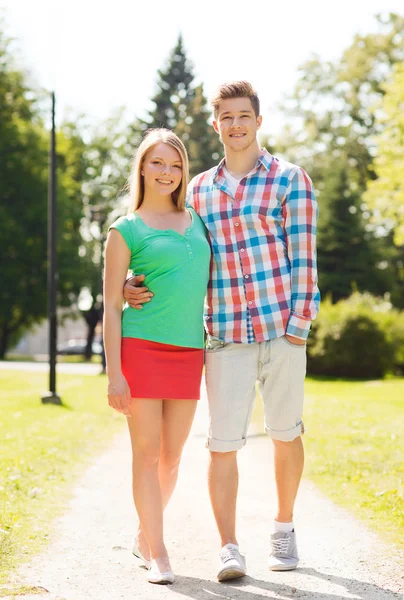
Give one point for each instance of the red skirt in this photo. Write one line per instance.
(155, 370)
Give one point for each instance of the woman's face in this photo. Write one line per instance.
(162, 169)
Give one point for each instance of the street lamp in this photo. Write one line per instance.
(51, 396)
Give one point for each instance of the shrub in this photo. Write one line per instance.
(354, 338)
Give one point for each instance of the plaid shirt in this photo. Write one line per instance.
(263, 272)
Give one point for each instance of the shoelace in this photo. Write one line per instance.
(228, 554)
(280, 546)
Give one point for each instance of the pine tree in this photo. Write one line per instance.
(182, 107)
(204, 146)
(346, 251)
(175, 92)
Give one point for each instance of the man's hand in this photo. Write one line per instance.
(295, 340)
(134, 293)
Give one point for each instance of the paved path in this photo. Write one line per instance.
(90, 557)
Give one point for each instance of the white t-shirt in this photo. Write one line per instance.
(232, 181)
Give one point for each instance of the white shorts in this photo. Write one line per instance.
(231, 372)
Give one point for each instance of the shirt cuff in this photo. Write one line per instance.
(298, 326)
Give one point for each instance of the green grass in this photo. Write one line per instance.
(43, 450)
(354, 445)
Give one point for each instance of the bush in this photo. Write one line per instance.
(356, 338)
(392, 324)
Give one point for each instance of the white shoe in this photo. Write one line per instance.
(154, 575)
(284, 556)
(136, 552)
(233, 564)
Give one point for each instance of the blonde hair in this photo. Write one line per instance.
(136, 182)
(235, 89)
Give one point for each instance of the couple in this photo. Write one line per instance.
(246, 230)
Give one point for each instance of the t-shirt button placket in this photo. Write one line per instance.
(190, 253)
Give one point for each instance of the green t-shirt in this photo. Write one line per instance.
(177, 272)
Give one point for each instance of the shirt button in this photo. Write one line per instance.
(237, 224)
(242, 250)
(250, 302)
(246, 276)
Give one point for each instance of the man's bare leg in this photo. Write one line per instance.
(223, 488)
(289, 462)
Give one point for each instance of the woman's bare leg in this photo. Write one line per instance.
(145, 427)
(178, 416)
(177, 420)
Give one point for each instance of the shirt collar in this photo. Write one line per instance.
(264, 160)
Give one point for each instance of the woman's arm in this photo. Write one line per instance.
(117, 258)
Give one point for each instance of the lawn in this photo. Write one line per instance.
(44, 448)
(355, 448)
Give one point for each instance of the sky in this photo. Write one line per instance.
(100, 55)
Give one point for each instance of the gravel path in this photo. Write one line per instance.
(90, 557)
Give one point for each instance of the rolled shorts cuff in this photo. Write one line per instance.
(287, 435)
(215, 445)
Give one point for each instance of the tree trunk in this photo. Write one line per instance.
(92, 318)
(4, 340)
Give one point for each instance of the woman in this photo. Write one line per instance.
(155, 355)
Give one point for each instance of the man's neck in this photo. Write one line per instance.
(241, 163)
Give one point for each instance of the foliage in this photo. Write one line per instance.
(361, 337)
(331, 124)
(181, 106)
(108, 157)
(386, 194)
(24, 143)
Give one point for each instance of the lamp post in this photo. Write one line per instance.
(51, 396)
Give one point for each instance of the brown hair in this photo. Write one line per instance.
(236, 89)
(136, 182)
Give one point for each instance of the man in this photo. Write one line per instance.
(261, 215)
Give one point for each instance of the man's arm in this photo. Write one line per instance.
(134, 293)
(300, 213)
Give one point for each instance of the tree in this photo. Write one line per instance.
(204, 146)
(175, 92)
(386, 194)
(24, 145)
(346, 253)
(330, 132)
(108, 157)
(182, 107)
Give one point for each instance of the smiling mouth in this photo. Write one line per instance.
(164, 181)
(237, 135)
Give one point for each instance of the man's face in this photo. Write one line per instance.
(237, 124)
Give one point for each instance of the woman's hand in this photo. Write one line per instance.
(119, 396)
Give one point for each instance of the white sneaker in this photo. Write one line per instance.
(154, 575)
(233, 564)
(284, 556)
(136, 552)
